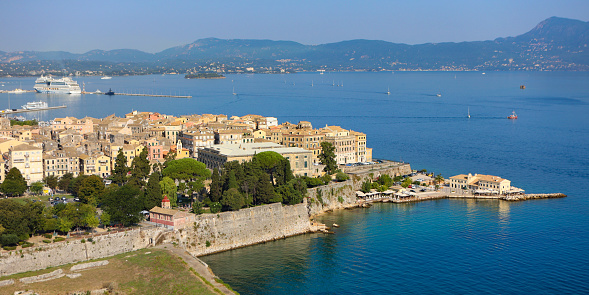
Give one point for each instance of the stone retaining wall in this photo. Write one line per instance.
(212, 233)
(71, 251)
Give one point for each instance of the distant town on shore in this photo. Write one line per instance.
(556, 44)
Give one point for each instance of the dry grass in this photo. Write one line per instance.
(131, 273)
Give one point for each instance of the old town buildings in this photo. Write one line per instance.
(89, 146)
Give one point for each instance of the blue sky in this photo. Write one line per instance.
(152, 26)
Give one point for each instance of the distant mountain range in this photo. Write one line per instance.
(554, 44)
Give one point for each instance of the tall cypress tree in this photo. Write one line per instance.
(216, 187)
(140, 169)
(327, 157)
(119, 173)
(153, 191)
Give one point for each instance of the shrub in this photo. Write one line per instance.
(340, 199)
(90, 239)
(46, 241)
(9, 248)
(58, 239)
(27, 245)
(208, 244)
(215, 207)
(48, 236)
(340, 176)
(9, 239)
(83, 241)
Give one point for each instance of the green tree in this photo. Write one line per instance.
(197, 207)
(186, 169)
(9, 239)
(283, 172)
(232, 199)
(74, 187)
(119, 172)
(327, 157)
(439, 179)
(169, 189)
(264, 190)
(215, 191)
(231, 181)
(366, 186)
(51, 181)
(385, 180)
(406, 182)
(215, 207)
(293, 192)
(91, 189)
(123, 204)
(269, 162)
(140, 169)
(92, 221)
(340, 176)
(105, 219)
(76, 213)
(64, 225)
(14, 183)
(64, 181)
(153, 191)
(36, 188)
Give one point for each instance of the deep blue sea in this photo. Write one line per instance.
(444, 246)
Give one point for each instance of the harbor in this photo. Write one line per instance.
(19, 111)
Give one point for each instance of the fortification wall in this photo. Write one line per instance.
(341, 195)
(71, 251)
(229, 230)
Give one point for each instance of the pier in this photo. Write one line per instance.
(18, 111)
(135, 94)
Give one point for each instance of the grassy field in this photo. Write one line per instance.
(138, 272)
(40, 198)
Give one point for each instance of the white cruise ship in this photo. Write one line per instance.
(51, 85)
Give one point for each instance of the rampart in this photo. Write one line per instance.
(212, 233)
(340, 195)
(74, 250)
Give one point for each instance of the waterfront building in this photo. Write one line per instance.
(169, 217)
(343, 142)
(494, 184)
(29, 160)
(217, 155)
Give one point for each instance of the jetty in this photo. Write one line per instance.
(138, 94)
(18, 111)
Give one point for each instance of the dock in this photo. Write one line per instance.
(135, 94)
(18, 111)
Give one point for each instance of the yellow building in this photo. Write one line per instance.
(29, 160)
(215, 157)
(480, 182)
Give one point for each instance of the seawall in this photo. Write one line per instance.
(212, 233)
(73, 250)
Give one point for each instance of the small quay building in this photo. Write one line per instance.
(169, 217)
(484, 184)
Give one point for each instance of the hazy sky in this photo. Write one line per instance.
(80, 26)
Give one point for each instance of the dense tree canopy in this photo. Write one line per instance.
(120, 170)
(14, 183)
(123, 204)
(91, 189)
(186, 169)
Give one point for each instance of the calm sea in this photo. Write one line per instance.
(445, 246)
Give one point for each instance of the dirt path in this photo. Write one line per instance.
(199, 266)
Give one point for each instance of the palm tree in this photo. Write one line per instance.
(439, 178)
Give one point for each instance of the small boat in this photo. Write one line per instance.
(439, 95)
(513, 116)
(335, 225)
(17, 90)
(234, 93)
(469, 112)
(106, 78)
(522, 86)
(110, 92)
(388, 91)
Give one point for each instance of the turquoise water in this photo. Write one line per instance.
(445, 246)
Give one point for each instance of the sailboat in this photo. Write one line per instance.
(234, 91)
(311, 83)
(469, 112)
(388, 91)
